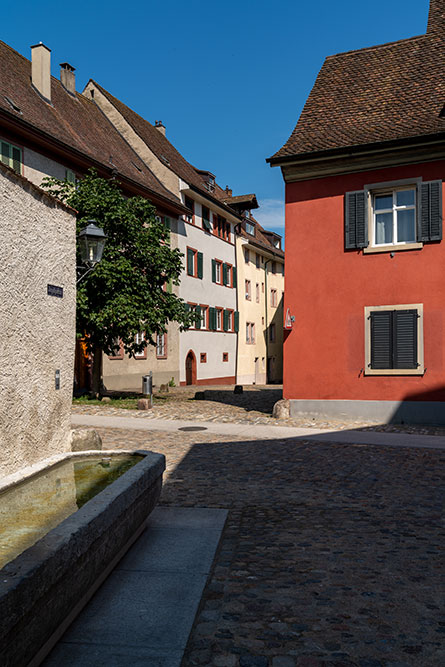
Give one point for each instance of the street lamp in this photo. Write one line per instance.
(91, 245)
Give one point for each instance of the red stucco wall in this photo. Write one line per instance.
(326, 289)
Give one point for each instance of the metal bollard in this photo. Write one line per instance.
(147, 386)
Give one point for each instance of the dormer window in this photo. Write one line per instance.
(250, 228)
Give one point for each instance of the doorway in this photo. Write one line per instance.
(190, 368)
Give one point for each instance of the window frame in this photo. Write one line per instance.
(10, 163)
(248, 289)
(189, 217)
(120, 353)
(273, 298)
(375, 189)
(158, 354)
(420, 370)
(143, 354)
(196, 254)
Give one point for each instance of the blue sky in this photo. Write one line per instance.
(228, 79)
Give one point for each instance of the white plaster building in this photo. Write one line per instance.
(206, 236)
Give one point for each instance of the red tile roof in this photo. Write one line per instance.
(73, 121)
(389, 92)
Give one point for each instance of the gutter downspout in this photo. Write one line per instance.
(268, 261)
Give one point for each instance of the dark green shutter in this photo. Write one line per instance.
(213, 271)
(190, 262)
(212, 319)
(394, 339)
(381, 339)
(405, 339)
(430, 212)
(199, 264)
(5, 152)
(236, 321)
(17, 159)
(356, 220)
(234, 279)
(225, 272)
(198, 312)
(226, 320)
(70, 176)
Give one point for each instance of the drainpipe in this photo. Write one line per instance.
(236, 304)
(268, 261)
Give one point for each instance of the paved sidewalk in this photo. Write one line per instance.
(143, 613)
(262, 432)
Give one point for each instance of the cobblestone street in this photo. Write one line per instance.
(330, 554)
(253, 406)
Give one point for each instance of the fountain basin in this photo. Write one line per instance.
(43, 588)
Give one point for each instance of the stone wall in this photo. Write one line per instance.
(37, 330)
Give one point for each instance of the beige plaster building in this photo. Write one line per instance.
(37, 316)
(260, 262)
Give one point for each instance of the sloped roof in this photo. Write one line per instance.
(71, 120)
(260, 239)
(250, 200)
(157, 142)
(389, 92)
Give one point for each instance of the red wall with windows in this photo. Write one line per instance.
(327, 289)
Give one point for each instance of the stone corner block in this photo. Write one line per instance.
(144, 404)
(281, 409)
(84, 439)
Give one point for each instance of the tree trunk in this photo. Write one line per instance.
(96, 381)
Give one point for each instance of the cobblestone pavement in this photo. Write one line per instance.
(330, 555)
(254, 406)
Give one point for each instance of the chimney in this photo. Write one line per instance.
(41, 69)
(68, 78)
(228, 191)
(436, 17)
(160, 126)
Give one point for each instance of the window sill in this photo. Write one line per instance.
(392, 248)
(395, 371)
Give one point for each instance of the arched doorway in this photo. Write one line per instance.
(190, 368)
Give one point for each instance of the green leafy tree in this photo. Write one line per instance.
(125, 293)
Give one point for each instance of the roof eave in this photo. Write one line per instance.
(276, 161)
(22, 126)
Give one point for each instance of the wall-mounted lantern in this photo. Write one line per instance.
(91, 240)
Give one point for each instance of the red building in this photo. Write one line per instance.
(364, 170)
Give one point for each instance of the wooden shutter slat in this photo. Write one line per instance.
(190, 262)
(198, 312)
(381, 339)
(236, 321)
(234, 276)
(430, 211)
(213, 271)
(17, 159)
(200, 263)
(5, 152)
(225, 272)
(405, 339)
(356, 220)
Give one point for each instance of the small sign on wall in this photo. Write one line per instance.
(54, 290)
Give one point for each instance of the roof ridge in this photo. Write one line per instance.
(376, 47)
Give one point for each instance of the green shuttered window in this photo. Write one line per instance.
(393, 216)
(11, 156)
